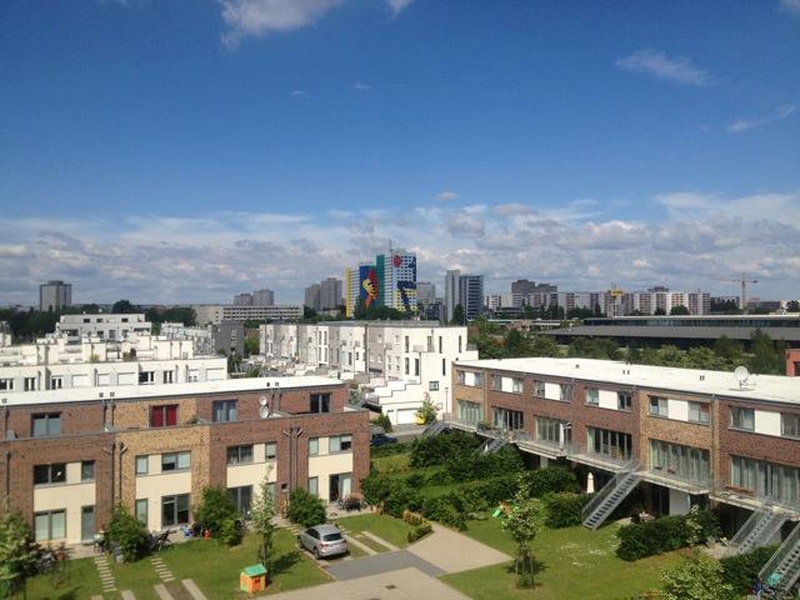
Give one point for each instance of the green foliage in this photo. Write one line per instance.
(419, 531)
(434, 450)
(124, 307)
(550, 480)
(383, 420)
(305, 509)
(680, 309)
(467, 466)
(661, 535)
(600, 348)
(214, 511)
(697, 577)
(564, 509)
(459, 317)
(766, 358)
(523, 521)
(262, 513)
(17, 552)
(129, 533)
(741, 571)
(448, 509)
(230, 532)
(176, 314)
(426, 413)
(543, 345)
(251, 345)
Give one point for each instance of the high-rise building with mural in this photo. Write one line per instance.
(390, 281)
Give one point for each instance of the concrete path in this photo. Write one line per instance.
(453, 552)
(192, 588)
(380, 540)
(163, 592)
(405, 584)
(380, 563)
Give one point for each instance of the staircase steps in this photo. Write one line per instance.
(783, 570)
(434, 428)
(757, 531)
(610, 496)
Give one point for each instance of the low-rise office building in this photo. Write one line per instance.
(67, 457)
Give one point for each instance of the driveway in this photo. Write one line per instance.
(452, 552)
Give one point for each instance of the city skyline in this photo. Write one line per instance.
(180, 153)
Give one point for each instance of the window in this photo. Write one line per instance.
(592, 396)
(169, 376)
(497, 383)
(46, 424)
(30, 384)
(461, 377)
(444, 366)
(223, 411)
(176, 461)
(440, 344)
(742, 418)
(478, 380)
(506, 419)
(141, 510)
(56, 382)
(659, 407)
(517, 385)
(147, 377)
(780, 482)
(87, 470)
(469, 412)
(271, 450)
(433, 386)
(50, 525)
(565, 392)
(238, 455)
(614, 444)
(164, 416)
(553, 431)
(142, 465)
(174, 510)
(320, 403)
(6, 385)
(624, 401)
(242, 498)
(699, 412)
(407, 366)
(406, 343)
(683, 461)
(416, 367)
(47, 474)
(538, 389)
(313, 446)
(790, 425)
(341, 443)
(313, 486)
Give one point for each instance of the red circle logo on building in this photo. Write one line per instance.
(396, 260)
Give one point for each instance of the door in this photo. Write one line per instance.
(87, 524)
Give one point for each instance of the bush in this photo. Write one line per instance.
(487, 493)
(664, 534)
(383, 421)
(305, 509)
(551, 480)
(230, 532)
(436, 449)
(447, 509)
(564, 509)
(214, 510)
(470, 466)
(742, 571)
(419, 526)
(129, 534)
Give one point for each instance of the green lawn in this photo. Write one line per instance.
(388, 528)
(213, 567)
(575, 563)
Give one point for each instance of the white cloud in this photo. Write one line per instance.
(253, 18)
(693, 238)
(447, 196)
(790, 6)
(679, 70)
(299, 94)
(361, 86)
(398, 5)
(742, 125)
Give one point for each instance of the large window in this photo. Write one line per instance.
(87, 470)
(699, 412)
(624, 401)
(685, 462)
(46, 424)
(614, 444)
(320, 403)
(313, 486)
(539, 389)
(592, 396)
(497, 383)
(176, 461)
(743, 418)
(47, 474)
(659, 407)
(147, 377)
(224, 411)
(470, 412)
(507, 419)
(790, 425)
(165, 415)
(242, 498)
(553, 431)
(174, 510)
(341, 443)
(50, 525)
(6, 385)
(780, 482)
(517, 385)
(565, 392)
(238, 455)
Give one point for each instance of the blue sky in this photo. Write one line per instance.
(183, 151)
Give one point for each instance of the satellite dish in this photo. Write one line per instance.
(264, 412)
(742, 375)
(262, 401)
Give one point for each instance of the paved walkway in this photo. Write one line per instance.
(453, 552)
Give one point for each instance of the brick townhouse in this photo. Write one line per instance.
(69, 456)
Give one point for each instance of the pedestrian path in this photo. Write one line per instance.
(107, 580)
(192, 588)
(162, 570)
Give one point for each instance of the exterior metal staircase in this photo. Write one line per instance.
(492, 445)
(783, 570)
(435, 428)
(611, 495)
(757, 531)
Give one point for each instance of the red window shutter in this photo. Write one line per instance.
(172, 415)
(157, 416)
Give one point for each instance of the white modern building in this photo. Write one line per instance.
(396, 364)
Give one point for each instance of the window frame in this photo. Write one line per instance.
(313, 446)
(271, 451)
(87, 471)
(167, 459)
(142, 459)
(163, 415)
(341, 443)
(699, 412)
(52, 424)
(49, 514)
(739, 420)
(658, 406)
(177, 500)
(54, 474)
(240, 454)
(224, 411)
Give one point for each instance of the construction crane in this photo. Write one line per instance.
(743, 281)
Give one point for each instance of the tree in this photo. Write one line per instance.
(426, 413)
(17, 552)
(522, 521)
(542, 345)
(459, 317)
(262, 514)
(124, 306)
(251, 346)
(217, 513)
(697, 577)
(130, 534)
(679, 310)
(793, 306)
(767, 357)
(305, 509)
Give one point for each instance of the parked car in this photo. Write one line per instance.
(381, 439)
(323, 540)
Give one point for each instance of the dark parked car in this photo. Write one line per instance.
(381, 439)
(323, 540)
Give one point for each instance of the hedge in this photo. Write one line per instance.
(564, 509)
(664, 534)
(741, 571)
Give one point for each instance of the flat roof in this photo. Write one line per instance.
(695, 333)
(136, 392)
(774, 388)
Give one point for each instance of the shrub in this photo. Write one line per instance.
(230, 532)
(383, 421)
(419, 531)
(448, 509)
(564, 509)
(551, 480)
(741, 571)
(214, 510)
(664, 534)
(436, 449)
(305, 509)
(129, 534)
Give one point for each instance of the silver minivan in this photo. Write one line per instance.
(323, 540)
